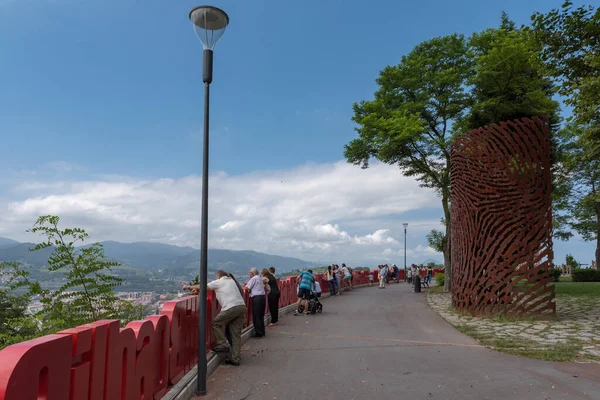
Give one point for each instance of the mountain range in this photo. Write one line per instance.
(168, 260)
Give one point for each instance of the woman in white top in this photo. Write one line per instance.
(330, 277)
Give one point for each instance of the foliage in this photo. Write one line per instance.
(439, 279)
(508, 80)
(436, 240)
(196, 280)
(570, 40)
(582, 204)
(15, 326)
(556, 273)
(87, 292)
(571, 44)
(571, 262)
(415, 115)
(585, 275)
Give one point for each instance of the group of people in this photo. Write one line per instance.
(385, 273)
(262, 288)
(338, 278)
(414, 270)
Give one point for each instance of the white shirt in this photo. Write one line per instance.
(346, 272)
(317, 287)
(256, 286)
(227, 293)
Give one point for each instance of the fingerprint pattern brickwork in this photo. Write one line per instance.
(501, 220)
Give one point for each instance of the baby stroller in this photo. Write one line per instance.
(314, 305)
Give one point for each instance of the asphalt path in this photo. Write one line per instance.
(387, 344)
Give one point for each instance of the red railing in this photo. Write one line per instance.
(101, 361)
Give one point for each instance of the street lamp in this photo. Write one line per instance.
(405, 226)
(209, 24)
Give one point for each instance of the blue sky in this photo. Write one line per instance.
(111, 92)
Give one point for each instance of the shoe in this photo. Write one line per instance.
(221, 349)
(229, 361)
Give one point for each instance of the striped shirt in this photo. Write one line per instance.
(306, 280)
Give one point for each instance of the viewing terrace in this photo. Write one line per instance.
(367, 342)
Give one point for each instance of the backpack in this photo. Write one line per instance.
(350, 271)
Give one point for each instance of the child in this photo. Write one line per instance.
(318, 288)
(370, 278)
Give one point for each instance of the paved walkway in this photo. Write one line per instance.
(387, 344)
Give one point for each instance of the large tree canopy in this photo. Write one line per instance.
(444, 87)
(412, 118)
(570, 40)
(508, 82)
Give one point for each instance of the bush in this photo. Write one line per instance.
(439, 279)
(585, 275)
(556, 274)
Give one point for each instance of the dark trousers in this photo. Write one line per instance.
(273, 299)
(258, 314)
(331, 284)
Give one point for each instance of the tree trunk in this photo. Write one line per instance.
(447, 244)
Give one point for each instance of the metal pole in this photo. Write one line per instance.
(203, 278)
(405, 255)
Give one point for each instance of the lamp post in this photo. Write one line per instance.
(209, 24)
(405, 226)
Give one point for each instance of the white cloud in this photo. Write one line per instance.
(314, 211)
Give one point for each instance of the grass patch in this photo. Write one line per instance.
(558, 352)
(562, 352)
(565, 279)
(578, 289)
(436, 290)
(591, 357)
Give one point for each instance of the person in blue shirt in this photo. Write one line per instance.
(307, 283)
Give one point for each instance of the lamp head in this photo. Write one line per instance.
(209, 24)
(405, 225)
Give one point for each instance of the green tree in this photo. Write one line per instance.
(583, 202)
(87, 293)
(509, 80)
(571, 262)
(436, 240)
(571, 51)
(411, 121)
(15, 325)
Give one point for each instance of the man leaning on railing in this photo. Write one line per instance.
(233, 309)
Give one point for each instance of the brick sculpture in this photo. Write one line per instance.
(502, 220)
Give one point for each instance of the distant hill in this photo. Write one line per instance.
(146, 255)
(236, 262)
(20, 252)
(4, 242)
(171, 260)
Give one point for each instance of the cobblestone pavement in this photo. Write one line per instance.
(578, 321)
